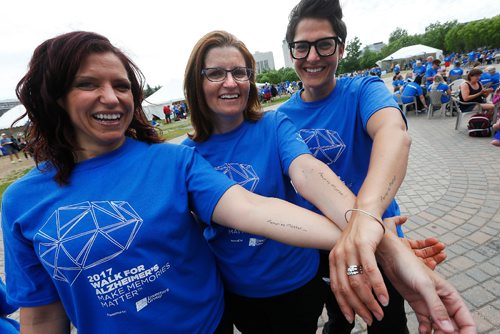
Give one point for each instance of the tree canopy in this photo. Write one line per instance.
(449, 37)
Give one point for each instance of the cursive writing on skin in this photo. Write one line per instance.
(286, 225)
(389, 188)
(322, 176)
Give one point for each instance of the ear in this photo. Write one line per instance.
(340, 52)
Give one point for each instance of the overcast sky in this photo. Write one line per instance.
(159, 35)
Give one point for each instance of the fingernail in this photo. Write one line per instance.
(379, 316)
(446, 325)
(383, 300)
(348, 318)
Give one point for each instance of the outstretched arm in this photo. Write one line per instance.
(275, 219)
(285, 222)
(47, 319)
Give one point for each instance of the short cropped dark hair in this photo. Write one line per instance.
(329, 10)
(49, 133)
(202, 117)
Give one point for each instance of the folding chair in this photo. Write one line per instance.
(454, 77)
(435, 103)
(468, 106)
(455, 87)
(404, 106)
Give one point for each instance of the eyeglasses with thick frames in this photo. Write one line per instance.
(325, 47)
(217, 74)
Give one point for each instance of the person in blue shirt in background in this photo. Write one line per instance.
(490, 77)
(456, 71)
(397, 82)
(413, 88)
(418, 69)
(431, 71)
(440, 84)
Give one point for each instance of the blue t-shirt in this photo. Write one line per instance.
(257, 155)
(419, 70)
(456, 71)
(429, 76)
(118, 245)
(334, 128)
(443, 88)
(411, 89)
(485, 79)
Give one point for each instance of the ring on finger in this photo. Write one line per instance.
(354, 270)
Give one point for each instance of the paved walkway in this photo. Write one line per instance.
(452, 191)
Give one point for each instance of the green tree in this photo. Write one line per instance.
(277, 76)
(368, 59)
(397, 34)
(150, 90)
(351, 60)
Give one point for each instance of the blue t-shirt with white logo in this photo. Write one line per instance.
(118, 245)
(334, 128)
(257, 156)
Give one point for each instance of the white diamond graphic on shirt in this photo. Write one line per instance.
(325, 145)
(84, 235)
(243, 174)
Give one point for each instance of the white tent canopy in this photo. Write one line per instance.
(167, 94)
(413, 51)
(11, 115)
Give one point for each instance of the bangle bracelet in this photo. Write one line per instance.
(366, 213)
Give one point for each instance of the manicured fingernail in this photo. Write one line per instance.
(383, 300)
(446, 325)
(379, 316)
(348, 318)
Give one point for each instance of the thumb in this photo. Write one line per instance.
(438, 311)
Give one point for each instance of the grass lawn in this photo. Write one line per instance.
(174, 129)
(5, 182)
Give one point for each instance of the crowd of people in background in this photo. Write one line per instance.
(11, 146)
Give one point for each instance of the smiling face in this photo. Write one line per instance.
(99, 104)
(316, 73)
(227, 99)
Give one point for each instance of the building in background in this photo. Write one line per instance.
(286, 55)
(375, 47)
(264, 61)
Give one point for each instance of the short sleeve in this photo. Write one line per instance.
(290, 143)
(205, 185)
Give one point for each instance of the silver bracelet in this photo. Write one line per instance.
(366, 213)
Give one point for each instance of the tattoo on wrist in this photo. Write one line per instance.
(322, 176)
(287, 225)
(389, 188)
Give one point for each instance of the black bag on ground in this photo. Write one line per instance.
(479, 125)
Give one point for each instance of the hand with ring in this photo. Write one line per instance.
(354, 274)
(430, 251)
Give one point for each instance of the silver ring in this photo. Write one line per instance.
(354, 270)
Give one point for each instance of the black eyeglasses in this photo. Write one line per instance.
(325, 47)
(217, 74)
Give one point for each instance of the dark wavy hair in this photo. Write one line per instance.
(202, 118)
(329, 10)
(473, 72)
(50, 134)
